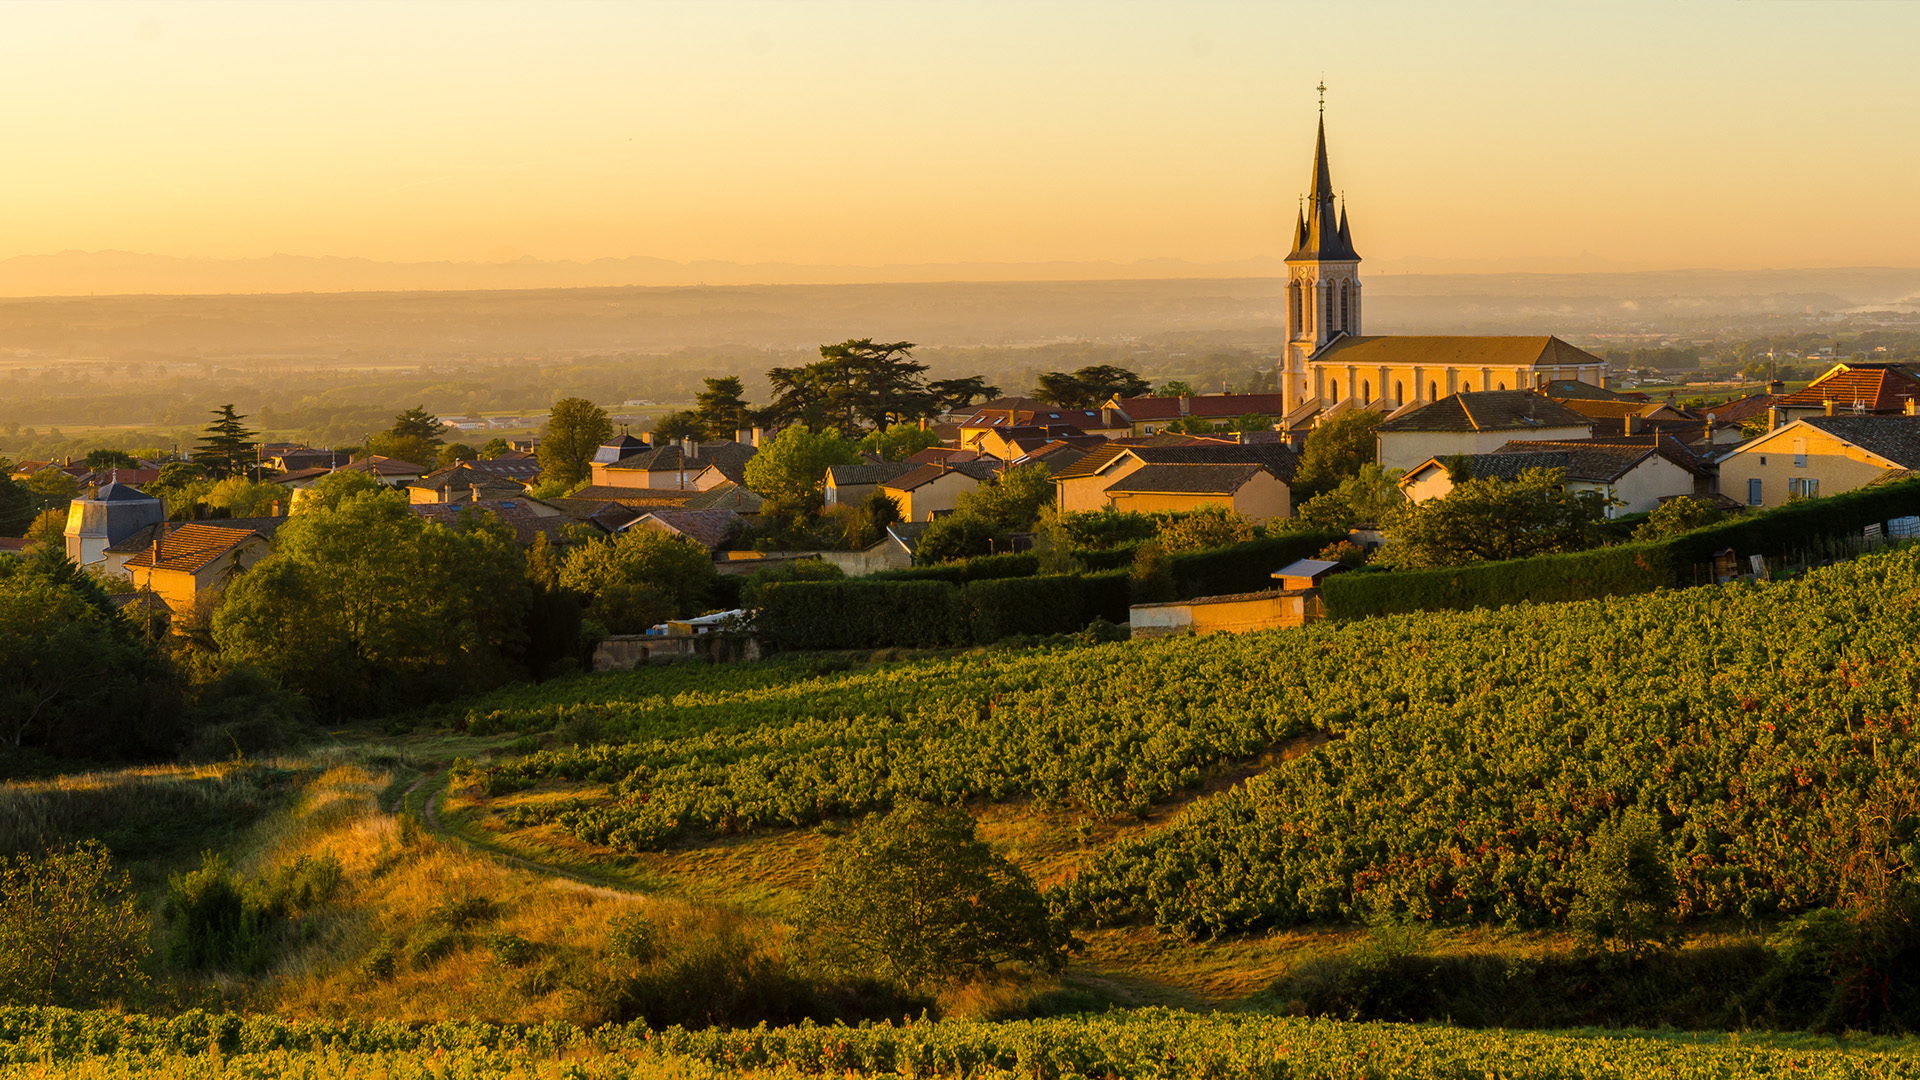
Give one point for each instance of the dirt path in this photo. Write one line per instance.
(564, 879)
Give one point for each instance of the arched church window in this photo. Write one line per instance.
(1466, 388)
(1399, 392)
(1503, 386)
(1366, 393)
(1293, 306)
(1346, 309)
(1433, 391)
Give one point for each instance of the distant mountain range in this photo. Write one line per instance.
(106, 273)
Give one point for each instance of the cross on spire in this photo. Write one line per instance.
(1323, 95)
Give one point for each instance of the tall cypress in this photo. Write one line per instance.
(227, 446)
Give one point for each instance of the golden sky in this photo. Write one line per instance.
(1469, 135)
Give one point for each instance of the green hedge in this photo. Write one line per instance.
(1627, 568)
(862, 613)
(1245, 567)
(1052, 604)
(979, 568)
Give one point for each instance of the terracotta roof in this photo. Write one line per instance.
(729, 496)
(190, 547)
(671, 458)
(517, 513)
(709, 528)
(845, 475)
(1027, 412)
(935, 454)
(1876, 387)
(1092, 463)
(383, 466)
(1740, 410)
(1277, 458)
(927, 474)
(627, 496)
(1186, 479)
(1434, 351)
(1056, 455)
(1487, 410)
(1615, 409)
(1205, 406)
(1605, 461)
(1499, 466)
(14, 545)
(1895, 438)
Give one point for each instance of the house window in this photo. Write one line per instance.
(1753, 492)
(1803, 488)
(1799, 453)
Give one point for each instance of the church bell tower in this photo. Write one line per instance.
(1323, 279)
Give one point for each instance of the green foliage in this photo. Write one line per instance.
(72, 677)
(897, 443)
(919, 899)
(1176, 388)
(494, 447)
(722, 409)
(788, 570)
(335, 490)
(1106, 529)
(1473, 755)
(362, 601)
(1245, 567)
(242, 497)
(217, 921)
(1676, 516)
(49, 528)
(1209, 527)
(1150, 581)
(455, 452)
(856, 383)
(227, 446)
(631, 936)
(639, 578)
(675, 426)
(1370, 496)
(1623, 890)
(1011, 501)
(575, 428)
(1090, 387)
(1611, 571)
(955, 536)
(16, 504)
(792, 466)
(1490, 519)
(858, 613)
(1336, 449)
(103, 460)
(72, 931)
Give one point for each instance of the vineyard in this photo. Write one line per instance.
(1768, 727)
(1152, 1042)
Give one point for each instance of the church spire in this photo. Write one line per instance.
(1325, 235)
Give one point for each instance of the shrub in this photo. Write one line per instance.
(639, 578)
(1151, 579)
(210, 924)
(71, 930)
(630, 937)
(1624, 890)
(918, 899)
(860, 614)
(1205, 529)
(956, 536)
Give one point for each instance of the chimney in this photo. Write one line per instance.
(1911, 408)
(689, 447)
(1240, 437)
(1633, 424)
(1775, 417)
(475, 488)
(647, 437)
(1829, 404)
(1186, 405)
(757, 434)
(923, 423)
(276, 508)
(743, 436)
(1776, 388)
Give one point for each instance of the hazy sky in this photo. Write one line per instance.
(1527, 136)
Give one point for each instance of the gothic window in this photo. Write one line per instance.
(1399, 392)
(1433, 391)
(1329, 322)
(1293, 308)
(1346, 318)
(1366, 393)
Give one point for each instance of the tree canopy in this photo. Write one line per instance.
(1488, 519)
(1011, 501)
(1090, 387)
(227, 445)
(722, 409)
(575, 428)
(1335, 450)
(416, 436)
(639, 578)
(792, 466)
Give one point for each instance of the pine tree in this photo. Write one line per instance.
(228, 446)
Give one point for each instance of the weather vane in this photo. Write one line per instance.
(1323, 95)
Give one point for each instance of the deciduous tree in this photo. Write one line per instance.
(1488, 519)
(639, 578)
(72, 931)
(792, 466)
(1335, 450)
(575, 428)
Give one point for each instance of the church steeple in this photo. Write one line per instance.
(1325, 236)
(1323, 283)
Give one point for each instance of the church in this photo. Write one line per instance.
(1330, 365)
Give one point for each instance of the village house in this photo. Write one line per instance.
(1152, 415)
(676, 466)
(711, 529)
(392, 472)
(1820, 455)
(1851, 388)
(1479, 422)
(187, 562)
(1006, 413)
(850, 484)
(111, 514)
(1639, 473)
(931, 491)
(1084, 484)
(1252, 490)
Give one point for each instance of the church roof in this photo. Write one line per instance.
(1320, 234)
(1436, 351)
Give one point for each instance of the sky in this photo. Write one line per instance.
(1466, 135)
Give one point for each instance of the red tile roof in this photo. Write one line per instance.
(1875, 388)
(191, 546)
(1205, 406)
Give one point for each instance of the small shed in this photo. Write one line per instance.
(1307, 573)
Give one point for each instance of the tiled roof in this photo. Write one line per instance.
(1277, 458)
(1604, 461)
(1092, 463)
(518, 514)
(627, 496)
(936, 454)
(1740, 410)
(1614, 409)
(1562, 389)
(1186, 479)
(671, 458)
(926, 474)
(1876, 387)
(298, 475)
(734, 471)
(1056, 455)
(383, 466)
(1205, 406)
(1487, 410)
(192, 546)
(1027, 412)
(729, 496)
(709, 528)
(1895, 438)
(907, 533)
(845, 475)
(1470, 352)
(1504, 466)
(504, 468)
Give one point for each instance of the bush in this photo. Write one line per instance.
(630, 937)
(956, 536)
(1151, 579)
(1205, 529)
(209, 922)
(71, 931)
(1624, 890)
(1246, 567)
(860, 614)
(639, 578)
(1614, 571)
(918, 899)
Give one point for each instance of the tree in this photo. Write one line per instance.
(16, 504)
(1011, 501)
(956, 536)
(52, 489)
(494, 448)
(1211, 526)
(575, 428)
(363, 602)
(1624, 889)
(244, 498)
(1090, 387)
(919, 899)
(49, 527)
(792, 466)
(722, 409)
(1488, 519)
(455, 452)
(1371, 495)
(640, 578)
(71, 674)
(1335, 450)
(673, 427)
(953, 395)
(1676, 516)
(418, 423)
(856, 383)
(72, 932)
(102, 460)
(1176, 388)
(227, 445)
(331, 491)
(897, 443)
